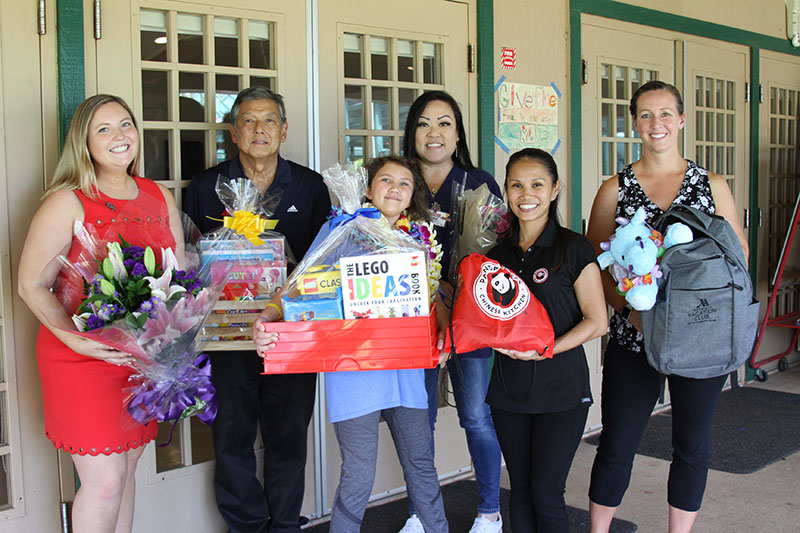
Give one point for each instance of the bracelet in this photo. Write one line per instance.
(276, 307)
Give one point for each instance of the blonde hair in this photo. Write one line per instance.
(75, 169)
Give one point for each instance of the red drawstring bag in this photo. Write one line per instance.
(494, 308)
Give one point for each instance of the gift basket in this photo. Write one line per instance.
(360, 299)
(257, 259)
(128, 300)
(479, 219)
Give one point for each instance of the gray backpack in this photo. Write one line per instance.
(705, 318)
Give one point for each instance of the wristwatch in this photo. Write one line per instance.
(626, 313)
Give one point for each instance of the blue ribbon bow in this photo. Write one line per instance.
(344, 218)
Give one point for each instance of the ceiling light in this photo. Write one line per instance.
(161, 39)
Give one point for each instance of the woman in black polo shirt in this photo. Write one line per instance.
(539, 406)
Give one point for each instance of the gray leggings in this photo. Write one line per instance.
(358, 442)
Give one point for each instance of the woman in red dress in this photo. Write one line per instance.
(82, 381)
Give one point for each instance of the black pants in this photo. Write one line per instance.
(630, 390)
(538, 450)
(283, 406)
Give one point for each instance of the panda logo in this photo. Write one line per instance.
(499, 292)
(504, 289)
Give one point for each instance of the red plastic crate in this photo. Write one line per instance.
(364, 344)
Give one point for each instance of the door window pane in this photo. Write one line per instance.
(622, 157)
(605, 120)
(621, 116)
(405, 60)
(354, 148)
(5, 482)
(3, 419)
(730, 129)
(227, 89)
(381, 146)
(636, 79)
(731, 96)
(225, 147)
(202, 445)
(431, 63)
(154, 95)
(381, 108)
(619, 83)
(353, 107)
(636, 152)
(352, 55)
(260, 50)
(405, 97)
(2, 359)
(156, 154)
(226, 42)
(193, 152)
(607, 169)
(698, 125)
(153, 35)
(168, 456)
(379, 53)
(256, 81)
(190, 38)
(730, 167)
(605, 87)
(192, 97)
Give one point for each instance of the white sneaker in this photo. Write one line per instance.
(413, 525)
(484, 525)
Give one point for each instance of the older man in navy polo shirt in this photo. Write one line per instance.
(281, 404)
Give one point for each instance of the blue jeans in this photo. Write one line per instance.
(476, 419)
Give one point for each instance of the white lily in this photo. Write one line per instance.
(81, 321)
(115, 257)
(160, 287)
(168, 259)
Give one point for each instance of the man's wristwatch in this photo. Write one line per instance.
(626, 313)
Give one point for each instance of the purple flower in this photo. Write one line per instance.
(138, 270)
(148, 305)
(107, 312)
(93, 322)
(133, 252)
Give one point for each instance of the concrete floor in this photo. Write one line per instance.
(765, 501)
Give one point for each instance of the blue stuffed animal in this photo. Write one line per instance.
(633, 253)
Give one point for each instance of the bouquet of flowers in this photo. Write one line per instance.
(152, 310)
(479, 219)
(328, 273)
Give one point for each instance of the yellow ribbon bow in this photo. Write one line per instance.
(249, 224)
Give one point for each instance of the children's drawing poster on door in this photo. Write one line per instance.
(527, 116)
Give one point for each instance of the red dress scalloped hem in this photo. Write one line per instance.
(108, 450)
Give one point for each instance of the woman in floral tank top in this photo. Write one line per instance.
(660, 179)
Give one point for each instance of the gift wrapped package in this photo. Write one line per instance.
(256, 258)
(377, 276)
